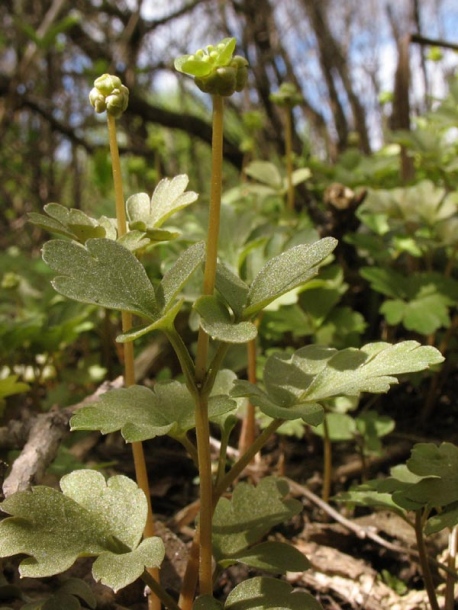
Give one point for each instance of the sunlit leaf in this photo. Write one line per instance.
(103, 273)
(92, 517)
(286, 272)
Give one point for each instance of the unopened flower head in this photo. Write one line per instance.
(214, 68)
(109, 94)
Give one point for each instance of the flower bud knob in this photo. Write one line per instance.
(109, 94)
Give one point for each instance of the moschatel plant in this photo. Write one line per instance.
(98, 262)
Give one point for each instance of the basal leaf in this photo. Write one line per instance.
(273, 557)
(108, 502)
(424, 315)
(103, 273)
(92, 517)
(217, 322)
(119, 570)
(263, 593)
(240, 522)
(285, 272)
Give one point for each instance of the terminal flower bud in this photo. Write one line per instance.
(214, 69)
(109, 94)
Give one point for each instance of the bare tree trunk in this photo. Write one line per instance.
(333, 62)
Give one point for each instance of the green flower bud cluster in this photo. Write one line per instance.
(109, 94)
(214, 68)
(287, 95)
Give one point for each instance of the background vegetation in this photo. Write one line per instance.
(373, 143)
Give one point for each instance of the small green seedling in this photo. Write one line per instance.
(425, 487)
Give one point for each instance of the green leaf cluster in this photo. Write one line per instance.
(427, 481)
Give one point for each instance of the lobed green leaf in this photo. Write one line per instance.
(92, 516)
(251, 513)
(262, 593)
(286, 272)
(103, 273)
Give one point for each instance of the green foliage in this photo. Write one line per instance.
(420, 302)
(140, 413)
(241, 522)
(89, 515)
(69, 595)
(296, 386)
(263, 282)
(102, 273)
(261, 593)
(148, 215)
(10, 386)
(428, 480)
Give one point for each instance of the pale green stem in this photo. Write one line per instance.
(159, 592)
(182, 353)
(246, 458)
(141, 473)
(201, 412)
(213, 227)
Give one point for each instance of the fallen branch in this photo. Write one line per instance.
(42, 436)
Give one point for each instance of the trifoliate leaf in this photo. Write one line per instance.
(103, 273)
(217, 322)
(242, 521)
(297, 384)
(263, 593)
(141, 413)
(169, 197)
(286, 272)
(92, 517)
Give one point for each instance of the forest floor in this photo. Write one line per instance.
(361, 559)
